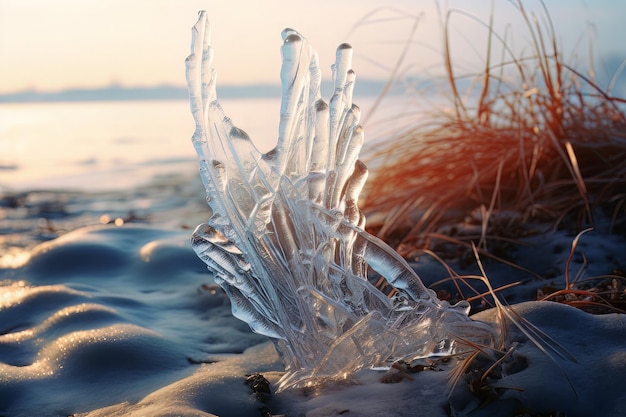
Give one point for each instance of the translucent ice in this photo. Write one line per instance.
(286, 240)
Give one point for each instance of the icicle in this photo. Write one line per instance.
(287, 240)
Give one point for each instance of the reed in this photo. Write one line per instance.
(533, 142)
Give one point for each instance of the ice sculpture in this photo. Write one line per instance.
(286, 239)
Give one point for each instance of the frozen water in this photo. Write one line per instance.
(286, 239)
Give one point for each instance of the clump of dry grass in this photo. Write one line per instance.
(596, 295)
(538, 142)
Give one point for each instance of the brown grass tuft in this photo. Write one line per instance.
(536, 141)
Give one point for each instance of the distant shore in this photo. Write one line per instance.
(170, 92)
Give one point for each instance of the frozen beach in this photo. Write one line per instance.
(108, 320)
(488, 280)
(106, 311)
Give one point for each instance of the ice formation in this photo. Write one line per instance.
(286, 240)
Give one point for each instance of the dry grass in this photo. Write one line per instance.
(536, 142)
(597, 295)
(536, 145)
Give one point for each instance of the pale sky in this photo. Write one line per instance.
(51, 45)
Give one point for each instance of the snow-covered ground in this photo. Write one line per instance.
(124, 320)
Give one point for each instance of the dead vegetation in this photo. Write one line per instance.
(534, 145)
(532, 142)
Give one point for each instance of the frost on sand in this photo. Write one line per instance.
(286, 240)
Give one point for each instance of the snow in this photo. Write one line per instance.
(589, 385)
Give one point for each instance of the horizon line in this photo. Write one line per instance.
(118, 92)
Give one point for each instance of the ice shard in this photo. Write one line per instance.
(286, 240)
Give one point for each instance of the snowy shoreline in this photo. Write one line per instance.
(141, 286)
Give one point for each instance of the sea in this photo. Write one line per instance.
(104, 145)
(97, 145)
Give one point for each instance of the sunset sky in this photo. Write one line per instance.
(53, 45)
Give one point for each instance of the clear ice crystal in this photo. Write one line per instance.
(286, 239)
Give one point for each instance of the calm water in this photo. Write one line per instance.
(100, 145)
(112, 145)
